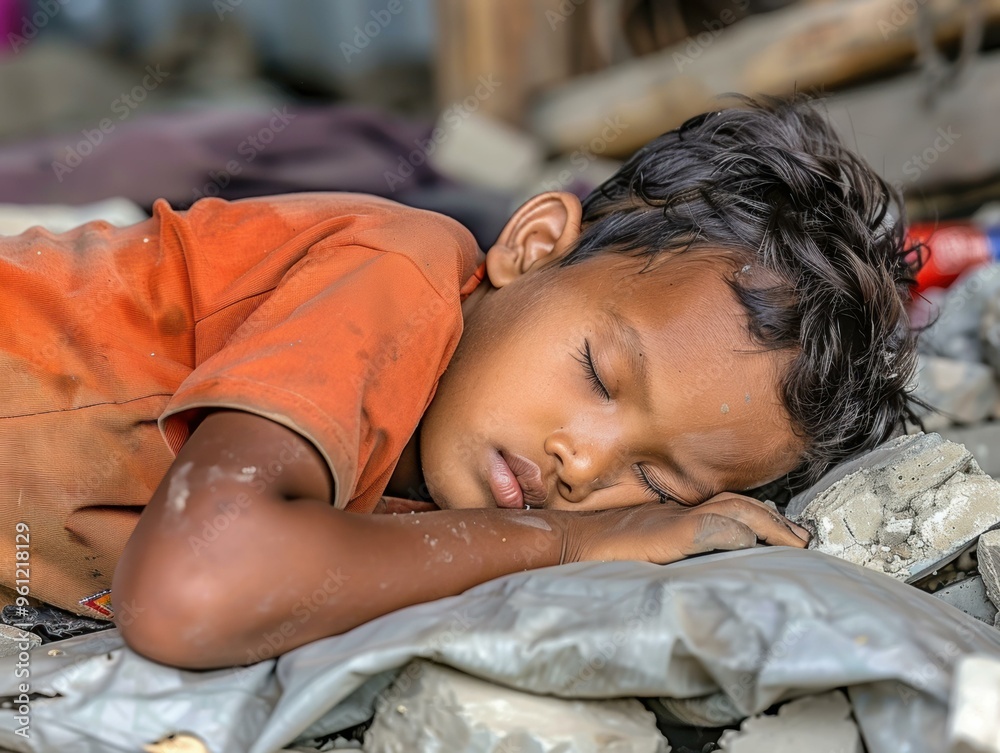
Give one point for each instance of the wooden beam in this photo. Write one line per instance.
(523, 44)
(804, 47)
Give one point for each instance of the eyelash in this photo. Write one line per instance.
(587, 359)
(661, 497)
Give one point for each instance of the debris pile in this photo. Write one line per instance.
(960, 356)
(818, 723)
(438, 708)
(907, 514)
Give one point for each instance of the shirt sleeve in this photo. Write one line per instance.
(346, 351)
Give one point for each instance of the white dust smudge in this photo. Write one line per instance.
(178, 491)
(532, 522)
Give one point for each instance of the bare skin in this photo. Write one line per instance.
(285, 568)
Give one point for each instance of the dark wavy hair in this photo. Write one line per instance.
(770, 183)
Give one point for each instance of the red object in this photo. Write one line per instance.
(950, 250)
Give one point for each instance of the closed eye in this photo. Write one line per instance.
(661, 496)
(586, 358)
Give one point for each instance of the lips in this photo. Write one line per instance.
(515, 481)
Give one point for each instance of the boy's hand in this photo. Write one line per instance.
(400, 506)
(670, 532)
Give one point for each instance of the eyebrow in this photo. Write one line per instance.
(629, 342)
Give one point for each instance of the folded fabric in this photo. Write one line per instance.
(747, 629)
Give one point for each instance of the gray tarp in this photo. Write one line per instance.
(742, 629)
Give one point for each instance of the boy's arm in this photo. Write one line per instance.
(240, 556)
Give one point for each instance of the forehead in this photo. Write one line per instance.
(681, 303)
(715, 395)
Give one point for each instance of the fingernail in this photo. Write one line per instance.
(802, 533)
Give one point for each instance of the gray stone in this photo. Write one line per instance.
(926, 485)
(961, 392)
(958, 329)
(970, 596)
(817, 724)
(888, 449)
(973, 723)
(13, 640)
(982, 440)
(486, 152)
(989, 564)
(436, 709)
(989, 329)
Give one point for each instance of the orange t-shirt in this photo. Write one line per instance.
(332, 314)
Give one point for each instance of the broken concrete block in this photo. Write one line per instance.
(818, 724)
(973, 723)
(989, 564)
(14, 640)
(181, 743)
(908, 512)
(961, 328)
(970, 596)
(436, 708)
(989, 328)
(963, 392)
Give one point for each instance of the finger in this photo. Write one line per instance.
(389, 505)
(802, 533)
(732, 498)
(714, 532)
(769, 526)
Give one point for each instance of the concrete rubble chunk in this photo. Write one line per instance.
(436, 709)
(989, 564)
(989, 327)
(963, 321)
(907, 512)
(970, 596)
(14, 640)
(973, 723)
(964, 392)
(817, 724)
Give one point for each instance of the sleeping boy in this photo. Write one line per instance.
(207, 404)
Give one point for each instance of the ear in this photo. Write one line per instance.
(540, 233)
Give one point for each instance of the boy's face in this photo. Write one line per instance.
(694, 407)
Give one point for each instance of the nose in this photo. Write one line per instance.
(582, 466)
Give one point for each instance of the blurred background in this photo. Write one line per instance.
(469, 106)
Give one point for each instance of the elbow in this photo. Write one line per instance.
(161, 616)
(163, 629)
